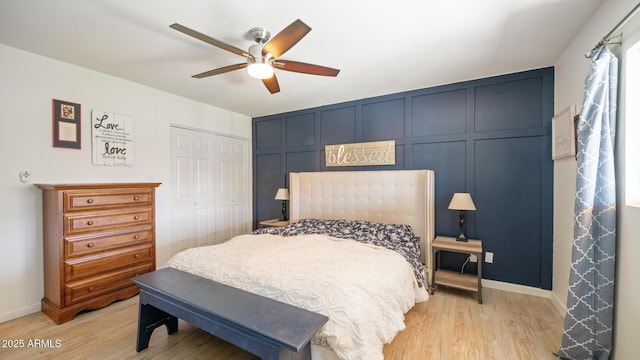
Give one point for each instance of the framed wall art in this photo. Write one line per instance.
(563, 134)
(66, 124)
(113, 139)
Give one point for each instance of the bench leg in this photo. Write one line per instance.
(303, 354)
(149, 318)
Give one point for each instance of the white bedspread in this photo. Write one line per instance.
(363, 289)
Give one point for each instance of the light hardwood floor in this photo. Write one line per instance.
(451, 325)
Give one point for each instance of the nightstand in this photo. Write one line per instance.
(455, 279)
(273, 223)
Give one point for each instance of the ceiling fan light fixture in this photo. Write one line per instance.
(263, 56)
(260, 69)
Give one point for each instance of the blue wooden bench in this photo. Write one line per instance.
(267, 328)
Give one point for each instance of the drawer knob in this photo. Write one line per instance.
(90, 222)
(89, 201)
(136, 217)
(136, 237)
(136, 256)
(136, 198)
(90, 245)
(90, 288)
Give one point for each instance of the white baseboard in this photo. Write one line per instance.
(561, 305)
(14, 314)
(520, 289)
(527, 290)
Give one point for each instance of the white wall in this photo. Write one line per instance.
(29, 83)
(570, 73)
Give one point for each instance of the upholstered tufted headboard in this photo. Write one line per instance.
(394, 196)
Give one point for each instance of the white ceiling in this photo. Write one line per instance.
(381, 47)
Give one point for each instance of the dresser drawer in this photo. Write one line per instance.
(89, 245)
(82, 223)
(76, 269)
(101, 199)
(83, 290)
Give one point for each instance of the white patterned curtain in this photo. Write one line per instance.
(588, 324)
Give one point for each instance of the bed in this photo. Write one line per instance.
(389, 213)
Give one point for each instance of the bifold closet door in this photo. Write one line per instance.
(209, 191)
(232, 187)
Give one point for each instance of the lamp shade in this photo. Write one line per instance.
(461, 201)
(282, 194)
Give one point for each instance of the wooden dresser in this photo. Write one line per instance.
(96, 238)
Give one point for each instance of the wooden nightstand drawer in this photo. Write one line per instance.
(77, 224)
(99, 200)
(89, 245)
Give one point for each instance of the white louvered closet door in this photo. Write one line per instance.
(210, 200)
(232, 187)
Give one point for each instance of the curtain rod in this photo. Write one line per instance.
(608, 37)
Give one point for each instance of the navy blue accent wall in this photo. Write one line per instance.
(489, 137)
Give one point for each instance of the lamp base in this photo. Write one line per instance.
(463, 226)
(284, 211)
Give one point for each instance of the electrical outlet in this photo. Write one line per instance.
(473, 258)
(488, 257)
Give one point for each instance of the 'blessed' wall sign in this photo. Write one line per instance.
(361, 154)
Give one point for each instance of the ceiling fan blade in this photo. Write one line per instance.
(305, 68)
(286, 38)
(208, 39)
(220, 70)
(272, 84)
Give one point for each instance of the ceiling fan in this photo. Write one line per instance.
(264, 56)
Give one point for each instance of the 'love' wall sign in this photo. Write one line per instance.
(112, 139)
(361, 154)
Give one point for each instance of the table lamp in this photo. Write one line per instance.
(283, 194)
(461, 202)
